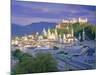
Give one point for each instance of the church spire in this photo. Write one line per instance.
(44, 32)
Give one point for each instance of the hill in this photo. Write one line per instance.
(29, 29)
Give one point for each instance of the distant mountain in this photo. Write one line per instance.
(32, 28)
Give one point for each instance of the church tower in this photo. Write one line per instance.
(44, 32)
(49, 34)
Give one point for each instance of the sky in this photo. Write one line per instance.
(25, 13)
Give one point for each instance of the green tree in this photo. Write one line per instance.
(25, 65)
(42, 62)
(45, 63)
(17, 53)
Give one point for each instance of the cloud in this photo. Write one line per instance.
(37, 11)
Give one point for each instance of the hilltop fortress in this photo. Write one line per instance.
(72, 21)
(75, 20)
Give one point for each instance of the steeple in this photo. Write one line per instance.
(44, 32)
(49, 34)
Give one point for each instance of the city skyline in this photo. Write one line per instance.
(51, 37)
(25, 13)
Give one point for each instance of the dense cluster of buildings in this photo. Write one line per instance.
(47, 36)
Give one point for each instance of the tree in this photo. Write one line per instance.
(42, 62)
(90, 30)
(25, 65)
(45, 63)
(17, 53)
